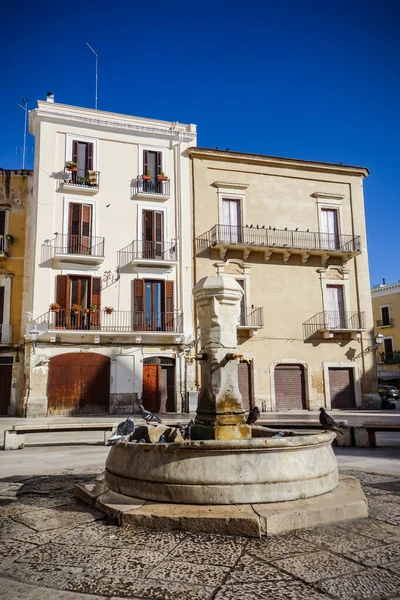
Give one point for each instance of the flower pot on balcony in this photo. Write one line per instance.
(86, 310)
(73, 169)
(55, 307)
(108, 310)
(147, 177)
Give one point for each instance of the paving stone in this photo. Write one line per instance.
(252, 570)
(45, 501)
(85, 535)
(316, 566)
(186, 572)
(41, 574)
(64, 516)
(12, 529)
(52, 484)
(12, 549)
(371, 583)
(119, 537)
(15, 590)
(210, 549)
(378, 556)
(272, 590)
(58, 554)
(383, 510)
(377, 530)
(276, 547)
(337, 539)
(122, 561)
(129, 587)
(43, 537)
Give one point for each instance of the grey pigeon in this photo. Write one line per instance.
(327, 422)
(163, 439)
(142, 441)
(253, 416)
(279, 434)
(186, 429)
(122, 432)
(147, 415)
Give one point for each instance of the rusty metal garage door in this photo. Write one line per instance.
(79, 383)
(244, 379)
(290, 391)
(341, 385)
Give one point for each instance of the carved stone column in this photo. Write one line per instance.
(220, 413)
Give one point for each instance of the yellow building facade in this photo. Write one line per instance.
(386, 311)
(15, 194)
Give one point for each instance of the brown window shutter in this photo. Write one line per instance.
(2, 288)
(145, 161)
(90, 156)
(159, 163)
(138, 292)
(169, 306)
(2, 222)
(75, 151)
(62, 287)
(86, 228)
(95, 300)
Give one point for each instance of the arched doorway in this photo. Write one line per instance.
(290, 389)
(78, 383)
(159, 384)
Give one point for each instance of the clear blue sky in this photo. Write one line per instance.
(298, 78)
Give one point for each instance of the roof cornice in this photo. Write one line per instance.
(276, 161)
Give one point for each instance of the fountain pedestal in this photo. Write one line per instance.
(220, 413)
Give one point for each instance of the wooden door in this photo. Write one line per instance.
(79, 383)
(290, 387)
(151, 387)
(153, 234)
(80, 228)
(5, 388)
(341, 386)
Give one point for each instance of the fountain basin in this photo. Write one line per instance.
(258, 470)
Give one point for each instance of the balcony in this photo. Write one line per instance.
(82, 180)
(155, 188)
(5, 334)
(75, 249)
(117, 322)
(390, 359)
(149, 253)
(270, 240)
(330, 322)
(251, 319)
(3, 246)
(385, 323)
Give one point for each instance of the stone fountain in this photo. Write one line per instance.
(230, 477)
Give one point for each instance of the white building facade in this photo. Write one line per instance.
(110, 265)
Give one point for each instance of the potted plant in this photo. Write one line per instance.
(70, 165)
(108, 310)
(147, 176)
(82, 180)
(162, 176)
(93, 308)
(86, 310)
(10, 238)
(54, 307)
(76, 308)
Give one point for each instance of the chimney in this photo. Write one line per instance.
(383, 281)
(49, 97)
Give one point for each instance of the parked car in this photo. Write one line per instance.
(388, 391)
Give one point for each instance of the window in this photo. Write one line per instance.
(82, 154)
(2, 294)
(153, 233)
(385, 313)
(2, 231)
(152, 167)
(335, 307)
(388, 346)
(153, 305)
(231, 220)
(79, 228)
(242, 317)
(80, 291)
(329, 229)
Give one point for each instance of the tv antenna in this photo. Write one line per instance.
(97, 57)
(24, 108)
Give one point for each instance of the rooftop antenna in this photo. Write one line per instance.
(24, 108)
(97, 56)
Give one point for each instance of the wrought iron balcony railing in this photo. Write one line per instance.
(158, 187)
(82, 178)
(251, 316)
(3, 245)
(385, 323)
(115, 321)
(334, 320)
(270, 237)
(145, 250)
(77, 244)
(5, 334)
(392, 358)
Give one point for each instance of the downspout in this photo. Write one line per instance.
(197, 365)
(178, 241)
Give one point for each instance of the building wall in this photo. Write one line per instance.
(118, 141)
(388, 296)
(280, 194)
(15, 198)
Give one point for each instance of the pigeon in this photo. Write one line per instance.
(327, 422)
(187, 430)
(147, 415)
(122, 432)
(253, 415)
(279, 434)
(163, 439)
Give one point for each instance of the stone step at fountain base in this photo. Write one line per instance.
(344, 503)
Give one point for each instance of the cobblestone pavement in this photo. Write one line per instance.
(54, 547)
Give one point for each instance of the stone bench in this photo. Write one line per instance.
(365, 435)
(14, 438)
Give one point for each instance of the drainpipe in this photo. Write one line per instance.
(194, 307)
(178, 241)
